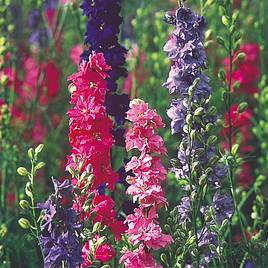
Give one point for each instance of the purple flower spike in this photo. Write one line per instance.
(59, 229)
(102, 36)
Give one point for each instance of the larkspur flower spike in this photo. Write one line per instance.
(192, 117)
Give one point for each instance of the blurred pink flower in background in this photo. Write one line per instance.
(138, 75)
(39, 131)
(75, 53)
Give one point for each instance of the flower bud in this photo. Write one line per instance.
(101, 241)
(220, 41)
(39, 148)
(222, 75)
(213, 160)
(189, 119)
(90, 179)
(225, 21)
(164, 258)
(24, 204)
(199, 111)
(39, 165)
(10, 28)
(213, 248)
(209, 127)
(235, 15)
(212, 110)
(193, 134)
(167, 228)
(24, 223)
(3, 230)
(202, 180)
(235, 149)
(242, 107)
(211, 140)
(190, 240)
(31, 153)
(224, 223)
(4, 80)
(96, 227)
(208, 34)
(29, 190)
(236, 85)
(22, 171)
(209, 171)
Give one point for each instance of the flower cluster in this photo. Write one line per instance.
(145, 186)
(102, 36)
(59, 229)
(103, 253)
(90, 127)
(91, 140)
(246, 74)
(41, 84)
(192, 119)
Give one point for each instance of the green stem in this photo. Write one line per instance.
(33, 206)
(61, 24)
(3, 189)
(78, 23)
(194, 206)
(230, 134)
(244, 260)
(201, 7)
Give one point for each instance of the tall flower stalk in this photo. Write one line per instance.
(198, 166)
(101, 35)
(231, 43)
(144, 232)
(8, 150)
(91, 140)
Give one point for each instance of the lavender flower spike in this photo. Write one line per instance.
(192, 118)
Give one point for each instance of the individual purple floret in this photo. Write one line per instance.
(184, 209)
(34, 19)
(39, 37)
(176, 113)
(64, 248)
(223, 207)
